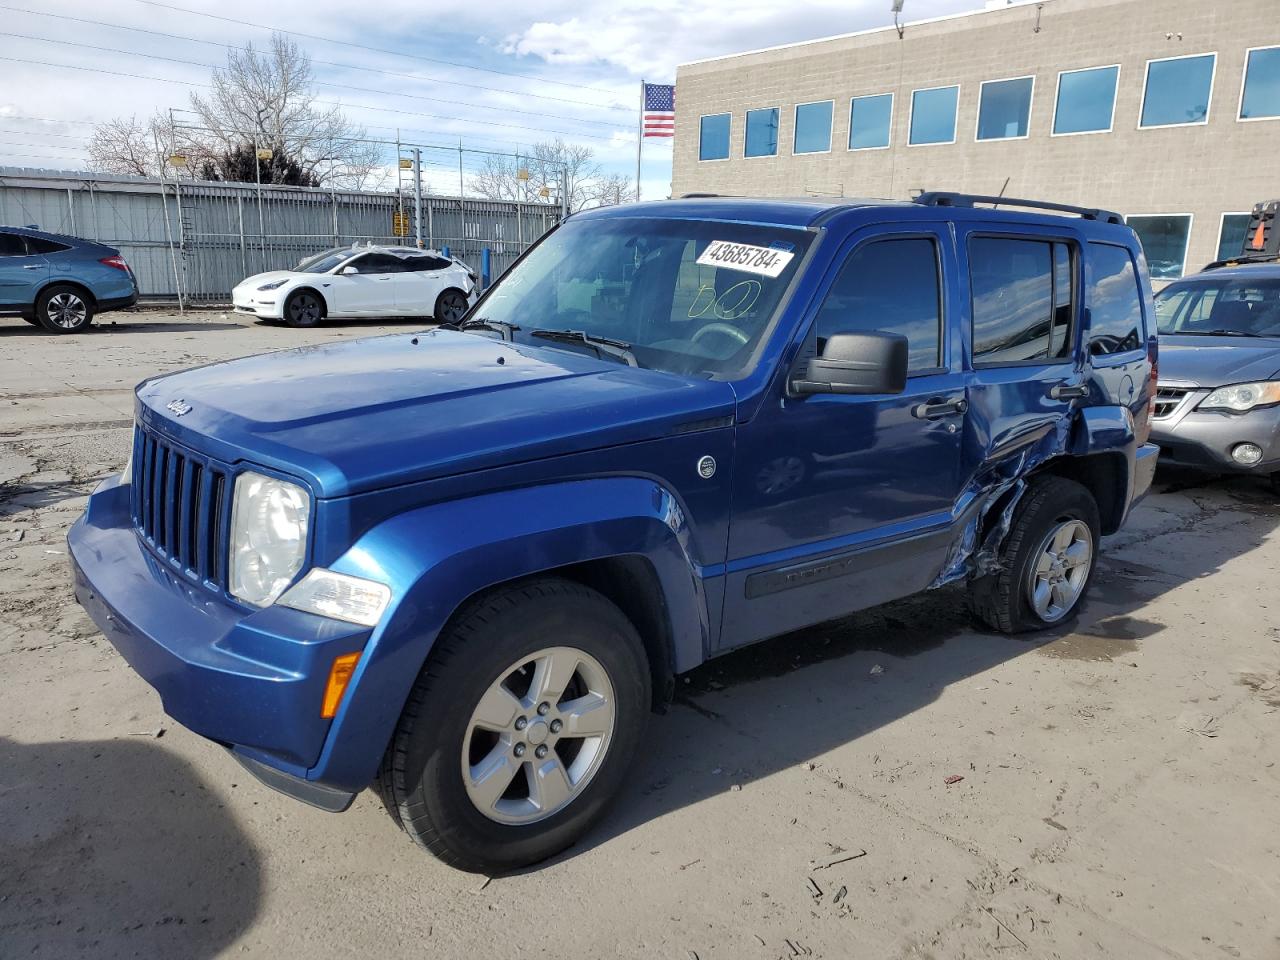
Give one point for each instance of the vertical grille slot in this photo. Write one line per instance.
(191, 518)
(217, 544)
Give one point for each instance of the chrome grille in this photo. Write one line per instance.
(1168, 400)
(179, 501)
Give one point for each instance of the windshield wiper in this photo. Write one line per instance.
(1216, 333)
(603, 346)
(484, 323)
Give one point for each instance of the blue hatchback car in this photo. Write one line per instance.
(461, 566)
(60, 283)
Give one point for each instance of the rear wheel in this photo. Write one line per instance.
(450, 306)
(64, 309)
(303, 309)
(520, 728)
(1047, 561)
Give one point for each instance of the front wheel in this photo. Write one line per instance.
(1047, 561)
(520, 728)
(303, 309)
(64, 309)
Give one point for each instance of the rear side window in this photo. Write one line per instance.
(11, 245)
(1115, 302)
(40, 245)
(378, 263)
(889, 286)
(1022, 302)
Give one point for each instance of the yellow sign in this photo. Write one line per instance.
(406, 163)
(178, 160)
(400, 223)
(544, 192)
(265, 154)
(522, 174)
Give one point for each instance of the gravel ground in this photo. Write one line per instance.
(1117, 794)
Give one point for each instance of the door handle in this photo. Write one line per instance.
(939, 407)
(1065, 391)
(33, 266)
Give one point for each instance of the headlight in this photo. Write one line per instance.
(274, 284)
(1242, 396)
(268, 536)
(338, 596)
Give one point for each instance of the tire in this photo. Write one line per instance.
(1005, 600)
(304, 308)
(31, 319)
(450, 307)
(426, 774)
(63, 308)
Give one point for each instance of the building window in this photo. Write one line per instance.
(869, 121)
(1235, 227)
(1260, 98)
(1164, 243)
(1086, 100)
(1021, 292)
(889, 286)
(933, 115)
(813, 127)
(762, 133)
(1178, 91)
(1004, 108)
(1115, 302)
(713, 137)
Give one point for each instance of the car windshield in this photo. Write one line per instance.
(1226, 306)
(695, 297)
(324, 262)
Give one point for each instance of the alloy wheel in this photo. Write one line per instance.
(1061, 570)
(452, 307)
(304, 309)
(67, 311)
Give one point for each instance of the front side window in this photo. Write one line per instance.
(1004, 109)
(869, 121)
(713, 137)
(694, 297)
(813, 127)
(933, 115)
(1261, 97)
(1022, 300)
(762, 133)
(889, 286)
(1164, 242)
(1115, 302)
(1231, 237)
(1230, 306)
(1177, 91)
(1086, 100)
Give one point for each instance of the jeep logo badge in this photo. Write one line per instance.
(707, 467)
(180, 408)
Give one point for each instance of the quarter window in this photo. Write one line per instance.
(41, 245)
(813, 127)
(1164, 243)
(1086, 100)
(869, 120)
(889, 286)
(1004, 109)
(1235, 227)
(1261, 97)
(1115, 303)
(1021, 300)
(1177, 91)
(762, 133)
(713, 137)
(933, 115)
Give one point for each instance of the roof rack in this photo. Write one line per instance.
(1243, 261)
(936, 198)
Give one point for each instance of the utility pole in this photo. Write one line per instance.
(417, 195)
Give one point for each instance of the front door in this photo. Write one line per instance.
(842, 502)
(21, 273)
(370, 290)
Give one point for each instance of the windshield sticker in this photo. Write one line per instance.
(766, 261)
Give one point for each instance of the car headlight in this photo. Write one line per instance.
(274, 284)
(1242, 396)
(268, 536)
(339, 596)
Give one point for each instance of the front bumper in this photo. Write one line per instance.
(252, 680)
(247, 300)
(1203, 440)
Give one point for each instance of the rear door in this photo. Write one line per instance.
(370, 291)
(422, 281)
(21, 271)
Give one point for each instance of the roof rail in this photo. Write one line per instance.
(1242, 261)
(936, 198)
(700, 196)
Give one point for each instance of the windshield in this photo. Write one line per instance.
(687, 296)
(1230, 306)
(324, 262)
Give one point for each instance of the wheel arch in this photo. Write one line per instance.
(77, 285)
(1105, 475)
(306, 288)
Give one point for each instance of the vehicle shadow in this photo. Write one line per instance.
(789, 700)
(116, 847)
(106, 327)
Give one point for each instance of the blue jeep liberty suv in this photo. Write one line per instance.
(461, 566)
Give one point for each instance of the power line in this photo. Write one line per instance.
(329, 63)
(362, 46)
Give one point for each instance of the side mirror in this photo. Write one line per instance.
(348, 271)
(855, 363)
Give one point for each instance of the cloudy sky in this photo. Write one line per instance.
(498, 75)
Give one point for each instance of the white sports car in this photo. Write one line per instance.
(366, 281)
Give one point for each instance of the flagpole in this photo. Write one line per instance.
(639, 139)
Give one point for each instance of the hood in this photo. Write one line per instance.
(364, 414)
(1217, 361)
(261, 278)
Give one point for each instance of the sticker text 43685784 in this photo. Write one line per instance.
(765, 261)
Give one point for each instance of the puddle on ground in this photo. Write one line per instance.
(1102, 642)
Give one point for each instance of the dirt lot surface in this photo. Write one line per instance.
(898, 784)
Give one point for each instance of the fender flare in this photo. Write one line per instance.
(436, 558)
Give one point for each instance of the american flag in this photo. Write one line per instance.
(659, 110)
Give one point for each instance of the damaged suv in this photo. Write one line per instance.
(465, 566)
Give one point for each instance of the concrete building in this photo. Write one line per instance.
(1165, 110)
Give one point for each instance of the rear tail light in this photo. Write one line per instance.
(116, 261)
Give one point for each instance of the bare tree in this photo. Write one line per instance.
(130, 147)
(548, 166)
(614, 189)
